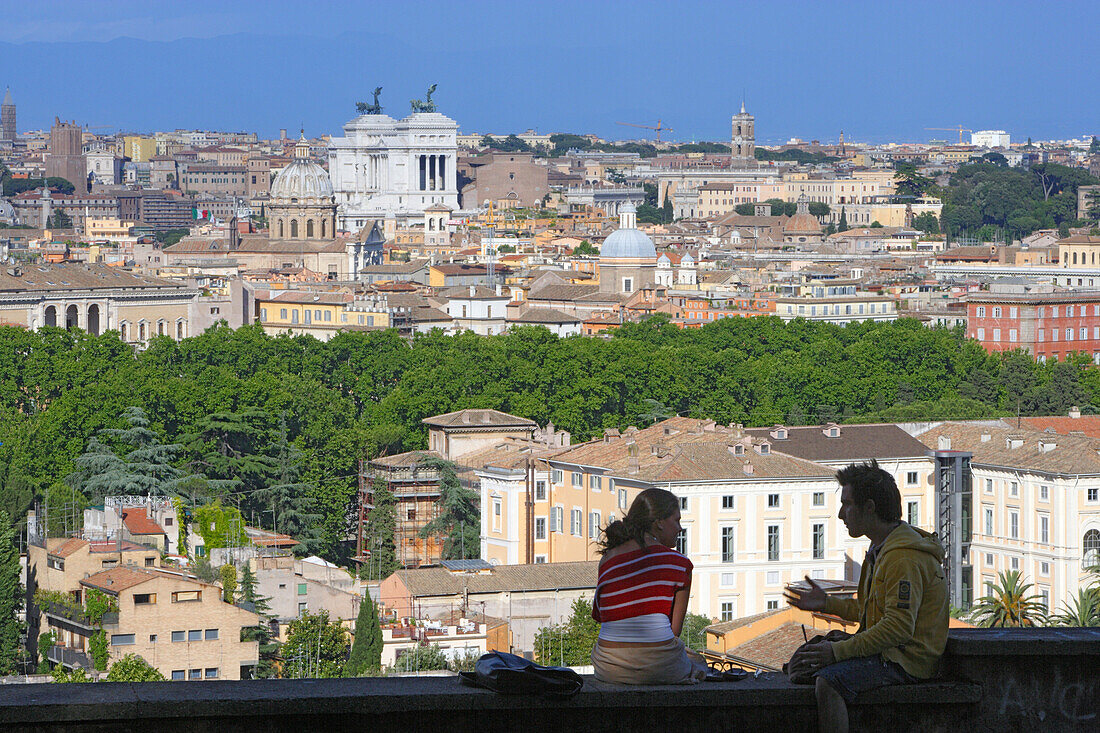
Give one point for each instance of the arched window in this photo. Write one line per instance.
(281, 235)
(179, 330)
(323, 229)
(160, 328)
(1075, 258)
(124, 330)
(51, 315)
(1090, 546)
(309, 229)
(293, 228)
(141, 331)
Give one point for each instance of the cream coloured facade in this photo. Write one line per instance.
(841, 309)
(96, 298)
(1035, 499)
(755, 515)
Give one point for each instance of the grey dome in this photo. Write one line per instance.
(302, 179)
(628, 244)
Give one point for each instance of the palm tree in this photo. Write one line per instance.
(1084, 610)
(1009, 603)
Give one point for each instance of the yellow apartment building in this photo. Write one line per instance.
(320, 314)
(107, 228)
(139, 148)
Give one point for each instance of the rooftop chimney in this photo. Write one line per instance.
(945, 442)
(1075, 412)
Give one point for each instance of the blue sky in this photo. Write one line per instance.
(877, 70)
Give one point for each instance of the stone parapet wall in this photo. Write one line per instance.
(995, 680)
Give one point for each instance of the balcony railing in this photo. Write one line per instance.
(78, 618)
(71, 658)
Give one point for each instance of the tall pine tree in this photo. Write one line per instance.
(229, 449)
(11, 598)
(288, 499)
(459, 522)
(366, 650)
(145, 469)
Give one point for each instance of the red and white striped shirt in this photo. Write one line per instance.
(639, 583)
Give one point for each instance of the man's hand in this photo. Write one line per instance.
(806, 600)
(812, 658)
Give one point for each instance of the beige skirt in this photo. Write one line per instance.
(669, 663)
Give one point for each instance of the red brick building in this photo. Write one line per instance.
(1046, 325)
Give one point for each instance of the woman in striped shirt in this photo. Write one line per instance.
(641, 598)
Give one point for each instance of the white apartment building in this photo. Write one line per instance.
(838, 309)
(756, 513)
(989, 139)
(1035, 505)
(477, 308)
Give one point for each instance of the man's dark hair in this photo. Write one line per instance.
(868, 482)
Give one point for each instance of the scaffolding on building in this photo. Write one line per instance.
(953, 521)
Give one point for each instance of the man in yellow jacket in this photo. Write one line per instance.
(901, 604)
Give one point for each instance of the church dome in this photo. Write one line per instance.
(803, 222)
(302, 179)
(626, 242)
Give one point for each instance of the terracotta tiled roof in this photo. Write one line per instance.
(118, 579)
(538, 576)
(138, 521)
(1086, 424)
(562, 292)
(410, 458)
(685, 449)
(66, 547)
(115, 546)
(773, 648)
(1065, 454)
(544, 315)
(78, 277)
(855, 443)
(462, 292)
(478, 418)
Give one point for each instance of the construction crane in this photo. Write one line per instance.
(659, 128)
(960, 129)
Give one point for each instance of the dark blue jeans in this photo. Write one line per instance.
(859, 674)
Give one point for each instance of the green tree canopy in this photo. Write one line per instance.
(316, 647)
(379, 535)
(693, 633)
(133, 668)
(584, 248)
(420, 658)
(11, 599)
(570, 643)
(908, 181)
